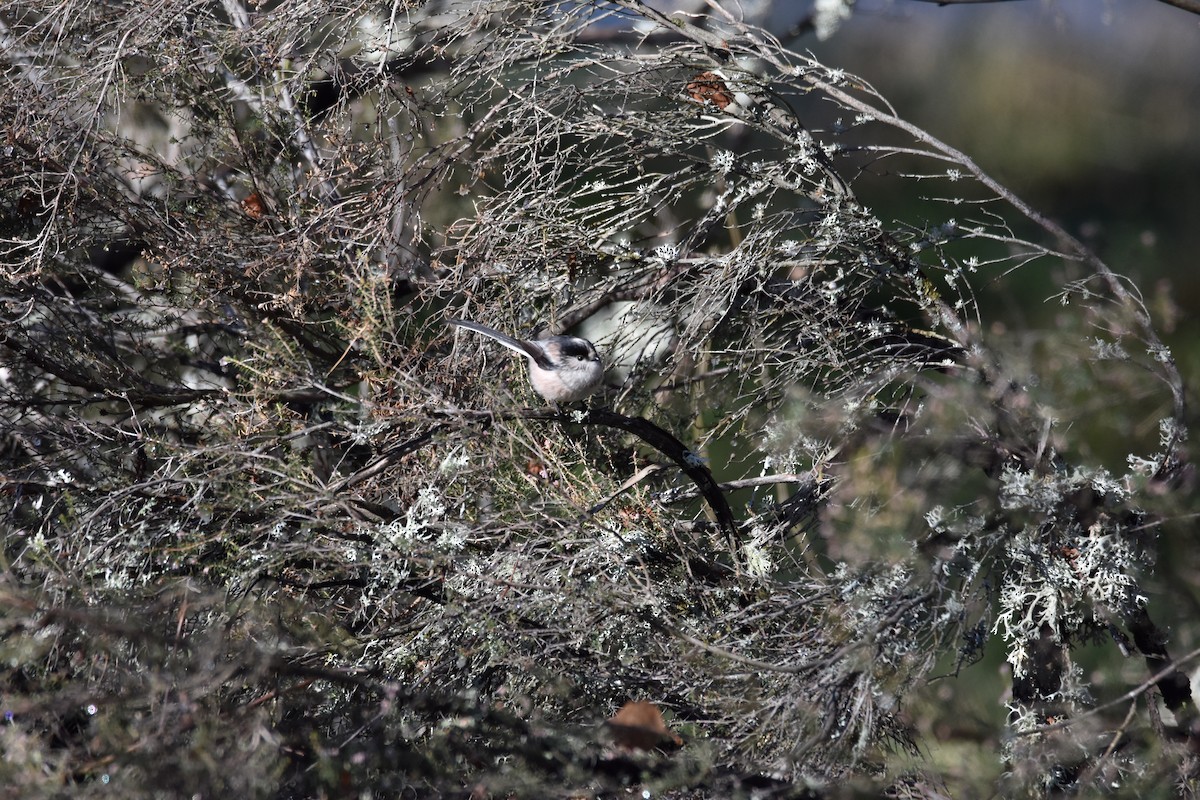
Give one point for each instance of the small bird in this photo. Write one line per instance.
(562, 369)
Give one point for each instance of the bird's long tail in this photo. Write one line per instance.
(508, 341)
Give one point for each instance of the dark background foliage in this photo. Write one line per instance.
(271, 528)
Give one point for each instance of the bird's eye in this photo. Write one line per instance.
(579, 358)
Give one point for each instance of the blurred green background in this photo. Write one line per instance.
(1087, 109)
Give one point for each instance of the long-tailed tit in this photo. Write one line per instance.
(562, 369)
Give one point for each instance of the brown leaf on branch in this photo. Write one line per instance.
(639, 725)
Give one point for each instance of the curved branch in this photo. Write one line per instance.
(660, 439)
(664, 442)
(1187, 5)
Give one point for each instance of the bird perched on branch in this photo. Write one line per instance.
(562, 369)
